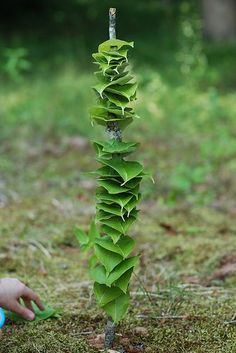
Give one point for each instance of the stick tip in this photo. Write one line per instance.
(112, 11)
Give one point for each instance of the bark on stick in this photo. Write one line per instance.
(114, 132)
(112, 128)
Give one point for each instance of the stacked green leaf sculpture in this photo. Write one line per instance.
(118, 180)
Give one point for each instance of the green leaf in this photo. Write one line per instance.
(106, 107)
(113, 75)
(113, 233)
(135, 192)
(110, 44)
(123, 281)
(93, 232)
(104, 113)
(81, 236)
(98, 274)
(122, 53)
(123, 81)
(123, 123)
(118, 307)
(114, 61)
(86, 241)
(126, 169)
(132, 204)
(100, 58)
(123, 246)
(147, 174)
(113, 209)
(93, 261)
(99, 150)
(127, 91)
(133, 182)
(130, 185)
(108, 258)
(110, 112)
(114, 146)
(112, 187)
(120, 199)
(113, 70)
(120, 269)
(118, 224)
(39, 315)
(126, 245)
(119, 101)
(104, 294)
(102, 216)
(106, 172)
(117, 69)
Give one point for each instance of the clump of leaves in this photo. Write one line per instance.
(118, 179)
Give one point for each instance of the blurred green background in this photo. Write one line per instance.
(184, 59)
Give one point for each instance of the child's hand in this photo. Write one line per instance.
(11, 291)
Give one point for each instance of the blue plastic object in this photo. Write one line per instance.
(2, 318)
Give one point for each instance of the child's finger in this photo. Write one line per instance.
(29, 294)
(22, 311)
(28, 304)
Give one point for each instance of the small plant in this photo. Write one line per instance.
(118, 179)
(17, 62)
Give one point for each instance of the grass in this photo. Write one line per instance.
(186, 233)
(37, 246)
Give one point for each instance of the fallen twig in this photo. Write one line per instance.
(38, 245)
(168, 317)
(83, 333)
(145, 294)
(231, 322)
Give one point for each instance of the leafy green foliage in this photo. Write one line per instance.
(86, 241)
(16, 62)
(118, 182)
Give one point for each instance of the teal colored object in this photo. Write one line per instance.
(2, 318)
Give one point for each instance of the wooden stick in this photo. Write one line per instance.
(168, 317)
(109, 334)
(112, 23)
(114, 132)
(112, 128)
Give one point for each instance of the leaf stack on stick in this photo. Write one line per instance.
(118, 180)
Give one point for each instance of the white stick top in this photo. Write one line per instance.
(112, 23)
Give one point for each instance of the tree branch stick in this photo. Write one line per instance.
(114, 132)
(112, 23)
(109, 334)
(112, 128)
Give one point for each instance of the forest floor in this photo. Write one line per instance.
(183, 296)
(183, 293)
